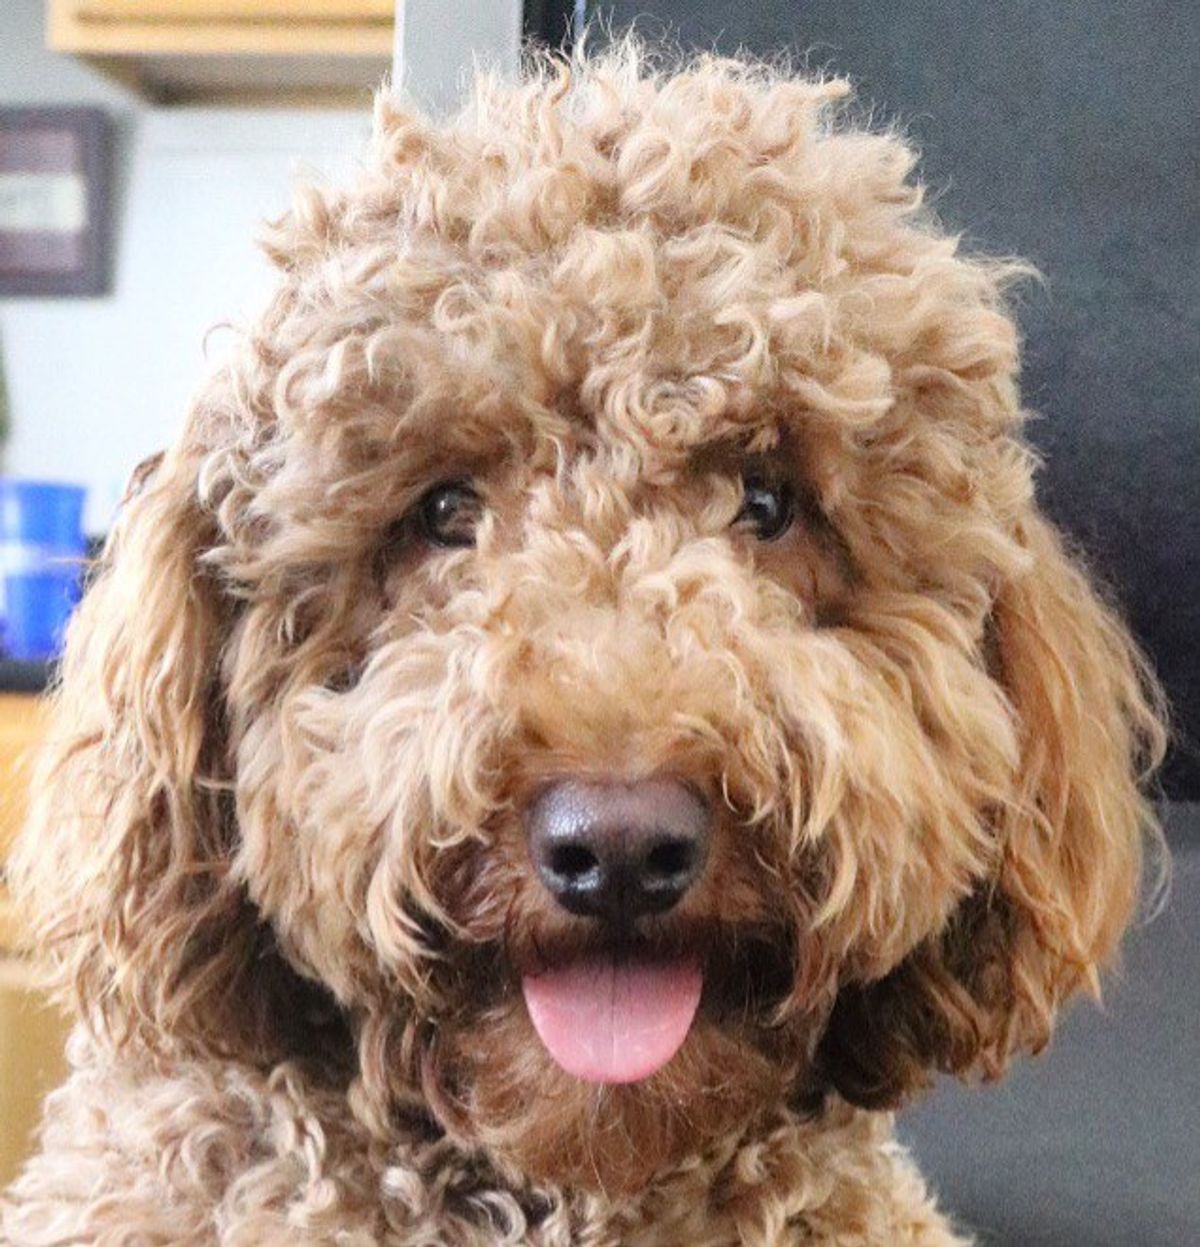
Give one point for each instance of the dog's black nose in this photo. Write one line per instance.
(618, 851)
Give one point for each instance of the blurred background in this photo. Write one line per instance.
(143, 141)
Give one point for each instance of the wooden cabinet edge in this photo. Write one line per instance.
(158, 60)
(67, 31)
(237, 10)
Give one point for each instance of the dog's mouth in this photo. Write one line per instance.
(619, 1011)
(610, 1018)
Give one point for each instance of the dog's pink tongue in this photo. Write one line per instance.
(613, 1022)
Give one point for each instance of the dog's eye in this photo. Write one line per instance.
(449, 514)
(768, 507)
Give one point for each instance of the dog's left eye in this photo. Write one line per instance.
(449, 514)
(768, 507)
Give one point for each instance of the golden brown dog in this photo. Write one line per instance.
(587, 715)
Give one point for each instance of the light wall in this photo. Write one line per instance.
(97, 384)
(440, 42)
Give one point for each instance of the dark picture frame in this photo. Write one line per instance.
(55, 201)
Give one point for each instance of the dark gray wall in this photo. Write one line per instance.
(1095, 1143)
(1065, 131)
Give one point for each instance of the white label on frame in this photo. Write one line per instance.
(52, 203)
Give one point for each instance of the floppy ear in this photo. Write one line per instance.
(1069, 850)
(125, 860)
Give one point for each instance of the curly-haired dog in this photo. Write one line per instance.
(587, 715)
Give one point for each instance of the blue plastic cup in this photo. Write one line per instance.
(41, 555)
(38, 606)
(41, 513)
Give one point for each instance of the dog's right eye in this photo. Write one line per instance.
(768, 507)
(449, 514)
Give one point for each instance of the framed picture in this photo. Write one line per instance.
(55, 182)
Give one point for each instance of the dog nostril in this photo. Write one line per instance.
(669, 860)
(618, 851)
(572, 861)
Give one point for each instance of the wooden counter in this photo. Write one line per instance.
(31, 1033)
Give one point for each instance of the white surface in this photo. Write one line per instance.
(438, 42)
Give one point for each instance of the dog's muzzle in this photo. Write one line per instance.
(616, 852)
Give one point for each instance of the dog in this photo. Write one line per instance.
(587, 717)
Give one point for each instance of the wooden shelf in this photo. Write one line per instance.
(262, 52)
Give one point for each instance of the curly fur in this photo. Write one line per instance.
(282, 796)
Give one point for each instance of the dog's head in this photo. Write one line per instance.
(592, 667)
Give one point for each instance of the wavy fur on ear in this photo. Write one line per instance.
(125, 863)
(1071, 846)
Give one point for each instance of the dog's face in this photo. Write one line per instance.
(593, 670)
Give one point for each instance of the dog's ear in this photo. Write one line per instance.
(125, 861)
(1069, 849)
